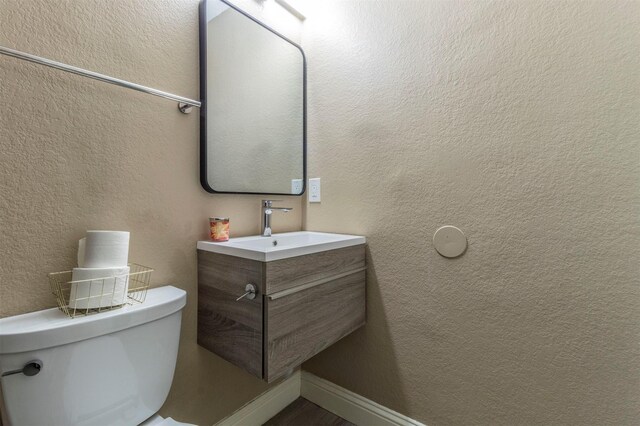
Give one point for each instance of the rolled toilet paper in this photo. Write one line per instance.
(98, 287)
(106, 249)
(81, 244)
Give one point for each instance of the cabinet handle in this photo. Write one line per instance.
(250, 292)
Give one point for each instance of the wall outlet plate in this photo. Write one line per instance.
(296, 186)
(314, 190)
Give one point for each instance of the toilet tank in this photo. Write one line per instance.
(111, 368)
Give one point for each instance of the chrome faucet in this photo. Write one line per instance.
(267, 211)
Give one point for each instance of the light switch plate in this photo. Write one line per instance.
(296, 186)
(314, 190)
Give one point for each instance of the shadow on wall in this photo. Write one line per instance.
(212, 374)
(351, 353)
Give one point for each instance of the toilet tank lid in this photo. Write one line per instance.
(51, 327)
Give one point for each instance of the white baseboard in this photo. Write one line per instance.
(340, 401)
(267, 405)
(350, 406)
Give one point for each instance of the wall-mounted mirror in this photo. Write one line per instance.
(253, 119)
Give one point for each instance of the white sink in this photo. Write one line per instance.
(281, 246)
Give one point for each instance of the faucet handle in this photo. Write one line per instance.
(269, 203)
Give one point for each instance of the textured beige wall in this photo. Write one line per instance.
(518, 122)
(77, 154)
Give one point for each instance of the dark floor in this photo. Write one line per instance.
(304, 413)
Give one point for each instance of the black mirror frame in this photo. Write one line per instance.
(203, 99)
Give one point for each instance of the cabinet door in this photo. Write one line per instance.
(228, 327)
(301, 323)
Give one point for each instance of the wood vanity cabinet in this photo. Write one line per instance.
(303, 305)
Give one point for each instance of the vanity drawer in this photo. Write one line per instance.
(301, 323)
(289, 273)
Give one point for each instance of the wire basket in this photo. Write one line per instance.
(85, 297)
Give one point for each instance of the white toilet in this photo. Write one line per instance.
(112, 368)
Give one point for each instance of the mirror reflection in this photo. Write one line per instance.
(253, 128)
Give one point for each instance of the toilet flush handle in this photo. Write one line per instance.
(30, 369)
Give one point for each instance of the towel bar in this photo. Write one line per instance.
(184, 104)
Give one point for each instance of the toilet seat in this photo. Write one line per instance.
(157, 420)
